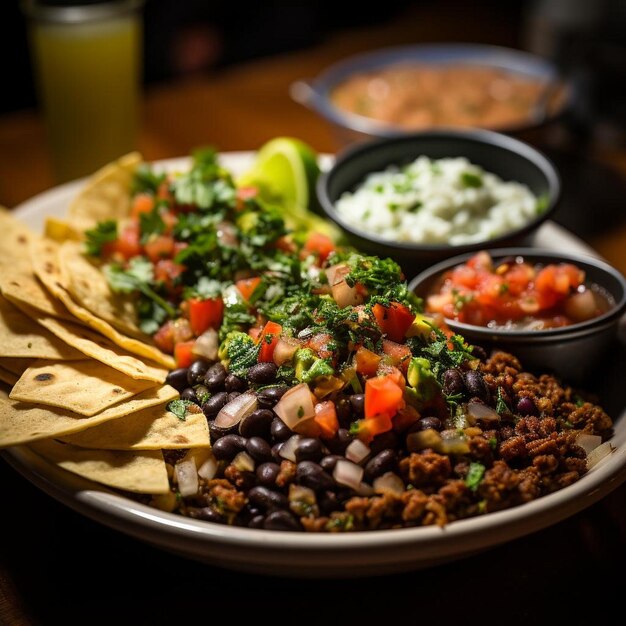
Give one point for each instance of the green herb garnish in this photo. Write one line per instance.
(475, 475)
(105, 232)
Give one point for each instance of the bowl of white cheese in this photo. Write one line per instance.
(425, 197)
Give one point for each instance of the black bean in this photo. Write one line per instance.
(232, 395)
(214, 404)
(312, 475)
(266, 473)
(196, 372)
(282, 520)
(384, 461)
(357, 401)
(234, 383)
(257, 423)
(215, 377)
(383, 441)
(526, 406)
(309, 449)
(329, 461)
(262, 373)
(227, 447)
(217, 432)
(279, 430)
(276, 452)
(453, 383)
(189, 394)
(267, 499)
(207, 513)
(328, 502)
(343, 406)
(178, 379)
(259, 449)
(479, 352)
(424, 423)
(476, 385)
(269, 396)
(339, 443)
(257, 521)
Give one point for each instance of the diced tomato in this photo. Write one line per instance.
(285, 244)
(465, 275)
(393, 320)
(167, 271)
(163, 192)
(320, 245)
(383, 396)
(398, 354)
(183, 353)
(205, 314)
(142, 203)
(367, 429)
(481, 261)
(268, 339)
(367, 361)
(559, 278)
(171, 333)
(518, 276)
(169, 218)
(322, 344)
(242, 194)
(159, 247)
(326, 419)
(127, 244)
(247, 286)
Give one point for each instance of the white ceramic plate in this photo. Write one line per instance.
(281, 553)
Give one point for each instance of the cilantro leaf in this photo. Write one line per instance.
(501, 405)
(475, 475)
(150, 223)
(469, 179)
(179, 408)
(105, 232)
(145, 180)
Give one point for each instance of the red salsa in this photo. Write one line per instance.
(516, 294)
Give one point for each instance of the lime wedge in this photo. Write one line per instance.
(285, 171)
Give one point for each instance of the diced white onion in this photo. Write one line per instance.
(476, 411)
(388, 482)
(285, 348)
(365, 490)
(597, 454)
(357, 451)
(588, 442)
(187, 477)
(348, 474)
(244, 462)
(296, 406)
(231, 295)
(452, 442)
(288, 449)
(206, 345)
(231, 414)
(208, 469)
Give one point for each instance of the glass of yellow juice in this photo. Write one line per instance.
(87, 61)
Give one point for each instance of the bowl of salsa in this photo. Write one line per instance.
(555, 311)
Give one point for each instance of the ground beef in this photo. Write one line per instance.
(425, 469)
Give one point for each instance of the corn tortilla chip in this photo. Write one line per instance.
(88, 286)
(8, 377)
(44, 257)
(97, 347)
(21, 423)
(84, 387)
(106, 196)
(155, 428)
(20, 336)
(15, 239)
(141, 472)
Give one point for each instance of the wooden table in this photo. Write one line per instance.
(57, 567)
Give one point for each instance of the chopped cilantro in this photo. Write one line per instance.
(105, 232)
(493, 443)
(501, 405)
(469, 179)
(179, 408)
(145, 180)
(150, 224)
(543, 201)
(300, 412)
(475, 475)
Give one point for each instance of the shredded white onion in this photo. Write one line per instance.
(476, 411)
(206, 345)
(357, 451)
(348, 474)
(599, 453)
(588, 442)
(208, 469)
(187, 476)
(244, 462)
(296, 406)
(232, 413)
(288, 449)
(388, 482)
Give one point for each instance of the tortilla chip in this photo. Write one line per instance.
(8, 377)
(15, 239)
(97, 347)
(106, 196)
(22, 423)
(44, 257)
(155, 428)
(88, 286)
(17, 366)
(141, 472)
(84, 387)
(20, 336)
(60, 230)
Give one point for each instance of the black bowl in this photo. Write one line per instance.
(510, 159)
(571, 351)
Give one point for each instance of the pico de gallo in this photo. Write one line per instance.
(516, 294)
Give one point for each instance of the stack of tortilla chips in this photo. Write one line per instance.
(82, 386)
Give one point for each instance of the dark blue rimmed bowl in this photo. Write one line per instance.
(571, 351)
(509, 158)
(351, 127)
